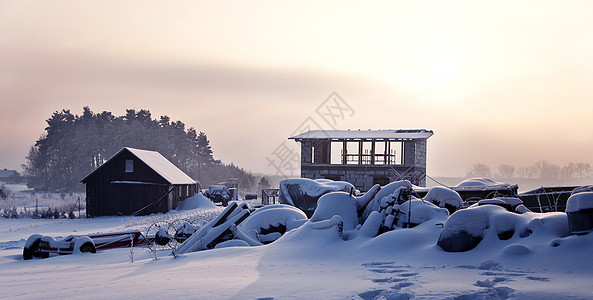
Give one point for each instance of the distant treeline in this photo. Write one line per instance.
(72, 146)
(540, 170)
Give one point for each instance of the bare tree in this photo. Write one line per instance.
(583, 169)
(547, 170)
(479, 170)
(506, 171)
(526, 172)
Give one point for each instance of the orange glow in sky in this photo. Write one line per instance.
(498, 82)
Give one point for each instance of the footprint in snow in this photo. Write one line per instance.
(543, 279)
(401, 285)
(383, 294)
(388, 280)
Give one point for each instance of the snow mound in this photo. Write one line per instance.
(337, 203)
(415, 212)
(492, 224)
(444, 197)
(194, 202)
(511, 204)
(267, 224)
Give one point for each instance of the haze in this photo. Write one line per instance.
(498, 82)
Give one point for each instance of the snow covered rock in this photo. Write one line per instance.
(304, 193)
(579, 208)
(445, 198)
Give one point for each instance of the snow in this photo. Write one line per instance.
(194, 202)
(272, 216)
(365, 134)
(337, 203)
(580, 201)
(315, 261)
(475, 182)
(158, 163)
(442, 196)
(304, 193)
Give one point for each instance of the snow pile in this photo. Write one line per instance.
(304, 193)
(268, 223)
(490, 224)
(379, 215)
(511, 204)
(337, 203)
(381, 196)
(444, 197)
(415, 212)
(195, 202)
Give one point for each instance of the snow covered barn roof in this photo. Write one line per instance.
(157, 163)
(400, 134)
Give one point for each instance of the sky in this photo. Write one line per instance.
(499, 82)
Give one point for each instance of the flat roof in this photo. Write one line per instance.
(399, 134)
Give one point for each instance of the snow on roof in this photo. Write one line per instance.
(162, 166)
(399, 134)
(158, 163)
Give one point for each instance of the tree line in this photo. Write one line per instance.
(74, 145)
(542, 170)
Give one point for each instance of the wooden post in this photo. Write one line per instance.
(344, 152)
(360, 152)
(372, 152)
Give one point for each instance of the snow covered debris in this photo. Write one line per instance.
(304, 193)
(467, 228)
(445, 198)
(218, 193)
(579, 201)
(511, 204)
(195, 202)
(476, 182)
(268, 223)
(384, 196)
(337, 203)
(579, 208)
(415, 212)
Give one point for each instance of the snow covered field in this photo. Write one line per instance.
(306, 263)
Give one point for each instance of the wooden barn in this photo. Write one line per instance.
(136, 182)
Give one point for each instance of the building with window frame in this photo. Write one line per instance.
(364, 157)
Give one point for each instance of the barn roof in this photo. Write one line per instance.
(400, 134)
(157, 163)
